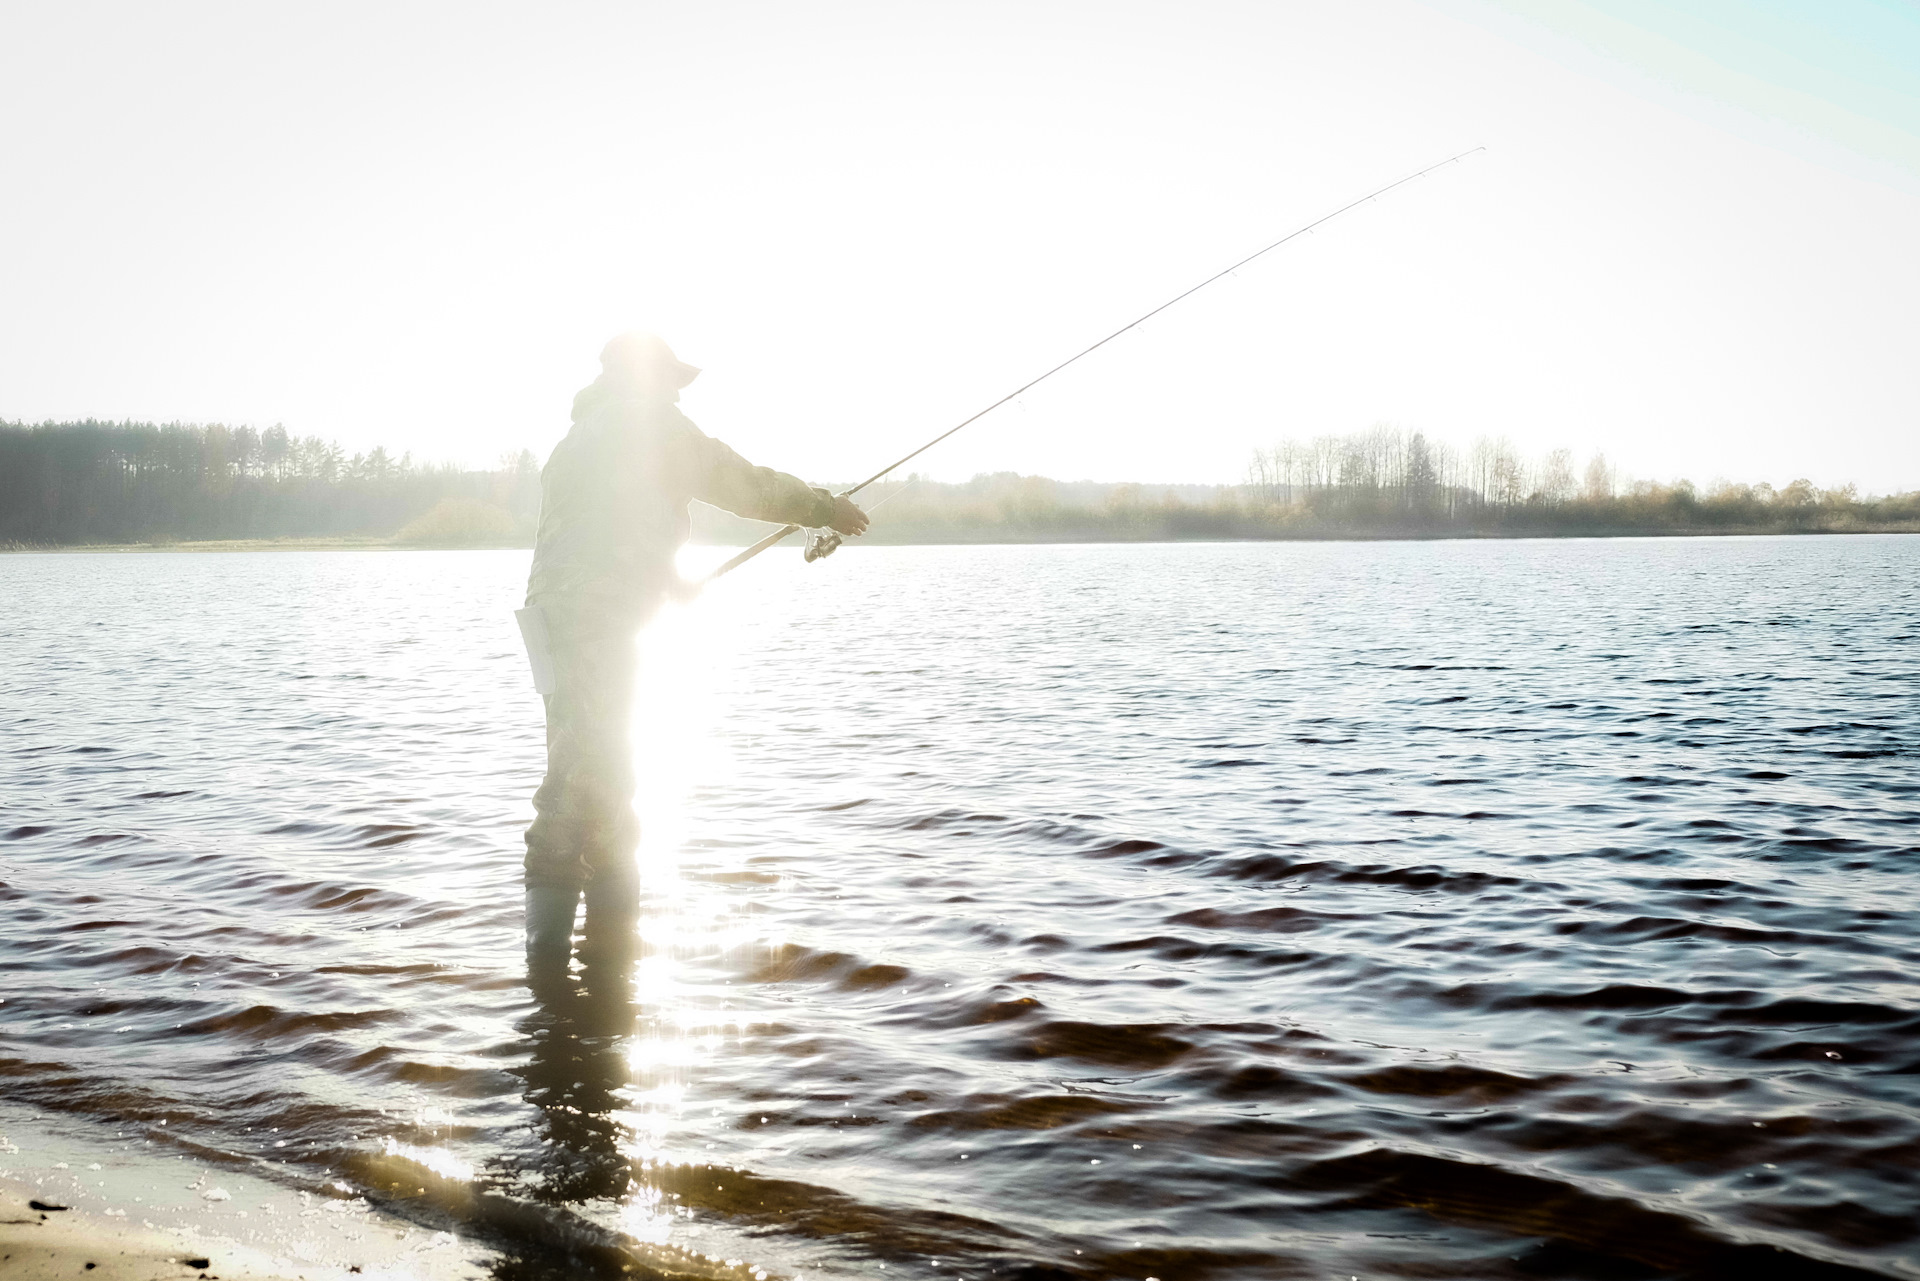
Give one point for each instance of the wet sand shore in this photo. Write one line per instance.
(72, 1205)
(38, 1243)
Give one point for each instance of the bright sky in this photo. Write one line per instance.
(1692, 241)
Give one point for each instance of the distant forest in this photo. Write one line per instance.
(63, 484)
(1383, 483)
(1393, 480)
(74, 484)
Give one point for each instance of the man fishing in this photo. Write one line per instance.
(613, 511)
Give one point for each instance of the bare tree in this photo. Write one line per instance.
(1556, 478)
(1599, 480)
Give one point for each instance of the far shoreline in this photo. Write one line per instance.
(1081, 540)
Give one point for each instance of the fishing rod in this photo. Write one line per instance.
(824, 546)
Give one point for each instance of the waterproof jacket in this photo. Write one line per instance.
(613, 500)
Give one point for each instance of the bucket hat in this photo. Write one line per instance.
(641, 353)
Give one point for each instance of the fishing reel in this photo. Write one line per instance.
(821, 543)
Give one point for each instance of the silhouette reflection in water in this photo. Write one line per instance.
(578, 1037)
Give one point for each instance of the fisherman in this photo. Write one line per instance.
(613, 510)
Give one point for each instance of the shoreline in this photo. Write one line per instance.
(126, 1200)
(136, 1209)
(1067, 540)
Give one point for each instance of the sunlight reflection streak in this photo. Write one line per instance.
(681, 654)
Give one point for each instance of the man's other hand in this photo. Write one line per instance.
(847, 519)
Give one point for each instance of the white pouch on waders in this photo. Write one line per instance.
(533, 630)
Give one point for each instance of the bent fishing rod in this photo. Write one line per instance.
(814, 552)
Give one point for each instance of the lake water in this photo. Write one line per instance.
(1516, 909)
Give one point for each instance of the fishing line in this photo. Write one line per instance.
(824, 546)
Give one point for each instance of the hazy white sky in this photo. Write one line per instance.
(1693, 242)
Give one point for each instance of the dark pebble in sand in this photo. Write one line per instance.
(44, 1205)
(197, 1263)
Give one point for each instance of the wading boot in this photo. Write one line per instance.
(613, 916)
(550, 926)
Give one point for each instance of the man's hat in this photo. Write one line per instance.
(635, 352)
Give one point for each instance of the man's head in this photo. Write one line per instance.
(643, 363)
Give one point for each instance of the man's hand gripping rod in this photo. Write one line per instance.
(824, 546)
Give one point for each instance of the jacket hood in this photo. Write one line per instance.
(603, 394)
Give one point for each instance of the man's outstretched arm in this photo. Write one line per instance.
(727, 480)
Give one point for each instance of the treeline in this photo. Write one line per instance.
(96, 482)
(1390, 480)
(65, 484)
(1383, 483)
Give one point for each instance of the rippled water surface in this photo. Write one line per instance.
(1528, 909)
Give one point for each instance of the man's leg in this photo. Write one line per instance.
(584, 832)
(554, 873)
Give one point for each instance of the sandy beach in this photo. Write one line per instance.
(144, 1208)
(36, 1242)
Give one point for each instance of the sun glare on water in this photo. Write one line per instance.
(683, 1021)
